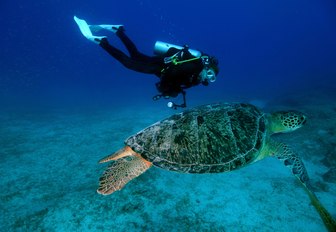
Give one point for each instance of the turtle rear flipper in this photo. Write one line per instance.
(125, 151)
(294, 162)
(120, 172)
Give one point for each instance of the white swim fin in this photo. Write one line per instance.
(85, 29)
(112, 28)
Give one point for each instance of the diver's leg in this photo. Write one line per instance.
(137, 62)
(119, 31)
(146, 66)
(116, 53)
(130, 46)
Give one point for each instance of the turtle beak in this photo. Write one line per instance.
(303, 120)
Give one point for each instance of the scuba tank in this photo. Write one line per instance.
(160, 48)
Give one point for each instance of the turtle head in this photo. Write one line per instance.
(286, 121)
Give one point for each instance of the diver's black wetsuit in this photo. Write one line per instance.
(173, 77)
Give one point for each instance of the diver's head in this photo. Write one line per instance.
(210, 70)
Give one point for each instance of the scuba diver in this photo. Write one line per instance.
(177, 67)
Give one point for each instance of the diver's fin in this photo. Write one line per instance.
(85, 29)
(83, 26)
(112, 28)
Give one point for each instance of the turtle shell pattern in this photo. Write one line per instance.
(207, 139)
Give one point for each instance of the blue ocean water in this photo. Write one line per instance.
(65, 103)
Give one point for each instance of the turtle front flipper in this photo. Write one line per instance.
(127, 166)
(295, 164)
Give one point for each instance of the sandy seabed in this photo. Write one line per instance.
(49, 176)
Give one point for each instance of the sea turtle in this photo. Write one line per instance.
(211, 138)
